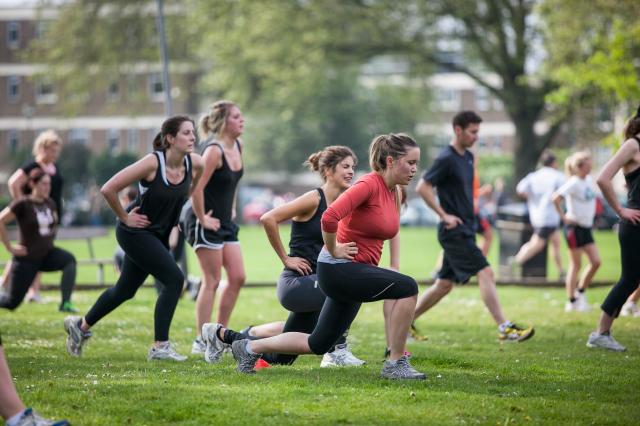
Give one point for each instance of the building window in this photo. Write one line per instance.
(13, 89)
(14, 139)
(13, 35)
(156, 87)
(79, 136)
(41, 29)
(113, 140)
(447, 99)
(45, 93)
(133, 139)
(483, 99)
(113, 92)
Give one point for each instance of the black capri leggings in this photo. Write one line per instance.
(629, 236)
(24, 271)
(347, 286)
(302, 297)
(145, 254)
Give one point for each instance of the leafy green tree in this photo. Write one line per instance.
(104, 165)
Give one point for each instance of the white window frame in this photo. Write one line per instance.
(153, 81)
(80, 135)
(447, 99)
(13, 81)
(13, 28)
(13, 139)
(44, 97)
(482, 98)
(113, 140)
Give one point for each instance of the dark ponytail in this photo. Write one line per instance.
(35, 176)
(328, 159)
(632, 127)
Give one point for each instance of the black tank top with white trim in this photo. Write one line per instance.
(306, 237)
(220, 191)
(160, 200)
(633, 183)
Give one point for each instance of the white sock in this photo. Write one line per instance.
(13, 421)
(504, 325)
(248, 348)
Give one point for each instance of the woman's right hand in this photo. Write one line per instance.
(298, 264)
(631, 215)
(18, 250)
(209, 222)
(136, 220)
(345, 251)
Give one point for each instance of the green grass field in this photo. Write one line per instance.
(472, 377)
(419, 250)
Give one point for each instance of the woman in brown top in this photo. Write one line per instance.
(37, 221)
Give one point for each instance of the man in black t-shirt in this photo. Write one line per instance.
(452, 175)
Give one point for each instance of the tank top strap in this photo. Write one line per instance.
(637, 140)
(239, 146)
(323, 199)
(187, 164)
(162, 167)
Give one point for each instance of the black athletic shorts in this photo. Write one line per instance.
(545, 231)
(578, 236)
(462, 257)
(199, 237)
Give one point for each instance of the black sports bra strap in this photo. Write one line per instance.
(637, 139)
(239, 146)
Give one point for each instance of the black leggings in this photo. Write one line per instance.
(629, 236)
(302, 297)
(145, 254)
(347, 286)
(24, 271)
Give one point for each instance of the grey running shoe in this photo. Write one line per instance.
(31, 418)
(164, 351)
(401, 370)
(604, 341)
(340, 357)
(214, 347)
(76, 337)
(245, 360)
(199, 346)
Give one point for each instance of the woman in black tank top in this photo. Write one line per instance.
(628, 159)
(214, 235)
(166, 179)
(297, 289)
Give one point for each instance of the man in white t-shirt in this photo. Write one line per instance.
(537, 188)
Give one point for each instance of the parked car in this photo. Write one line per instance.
(416, 213)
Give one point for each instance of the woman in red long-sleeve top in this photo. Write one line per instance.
(354, 229)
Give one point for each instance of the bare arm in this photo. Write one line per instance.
(299, 207)
(17, 180)
(6, 216)
(425, 190)
(624, 155)
(198, 166)
(557, 203)
(211, 160)
(142, 169)
(394, 252)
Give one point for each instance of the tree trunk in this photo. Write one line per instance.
(528, 147)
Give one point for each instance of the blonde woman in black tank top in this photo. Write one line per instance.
(215, 234)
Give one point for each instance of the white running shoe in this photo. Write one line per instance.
(582, 305)
(630, 309)
(31, 418)
(571, 306)
(214, 347)
(164, 351)
(198, 347)
(76, 337)
(604, 341)
(340, 357)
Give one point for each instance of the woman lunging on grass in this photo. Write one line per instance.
(363, 217)
(580, 196)
(297, 287)
(165, 178)
(37, 219)
(628, 159)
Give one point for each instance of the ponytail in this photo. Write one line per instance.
(328, 159)
(394, 145)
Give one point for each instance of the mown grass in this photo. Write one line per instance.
(472, 378)
(419, 250)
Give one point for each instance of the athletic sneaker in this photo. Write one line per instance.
(214, 347)
(164, 351)
(582, 305)
(34, 298)
(415, 334)
(571, 306)
(31, 418)
(76, 337)
(340, 357)
(198, 346)
(514, 333)
(630, 309)
(401, 370)
(246, 361)
(604, 341)
(68, 307)
(515, 268)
